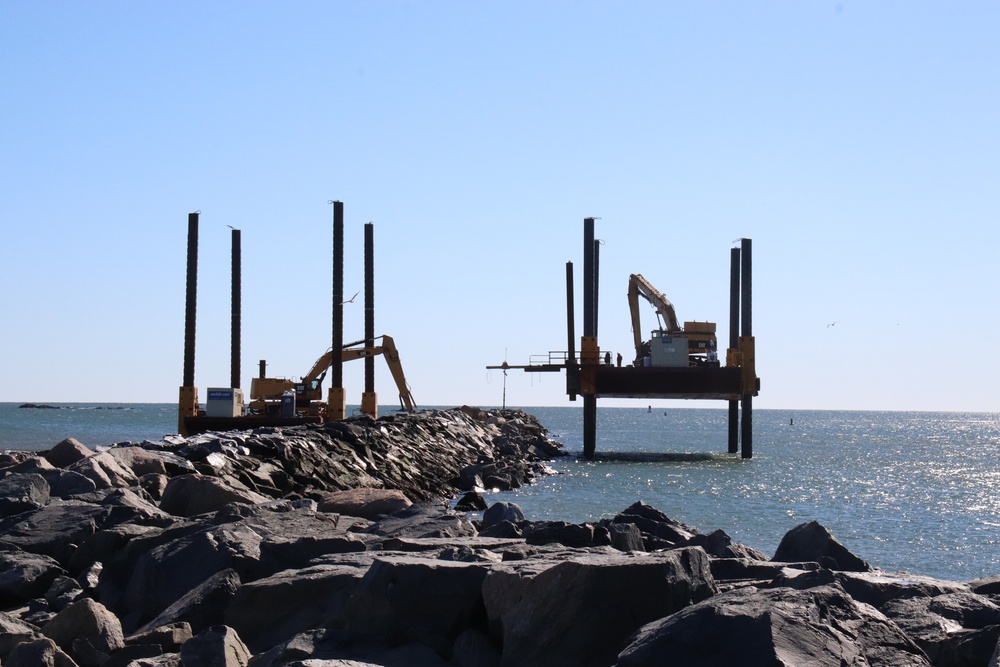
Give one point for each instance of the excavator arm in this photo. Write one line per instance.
(639, 286)
(272, 388)
(391, 356)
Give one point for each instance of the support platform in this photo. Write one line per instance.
(687, 382)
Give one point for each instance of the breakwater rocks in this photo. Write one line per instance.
(334, 546)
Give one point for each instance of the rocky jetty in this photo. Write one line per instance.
(336, 546)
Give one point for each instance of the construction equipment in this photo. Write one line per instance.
(268, 396)
(694, 344)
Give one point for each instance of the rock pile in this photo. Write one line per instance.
(304, 548)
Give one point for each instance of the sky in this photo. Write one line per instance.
(856, 143)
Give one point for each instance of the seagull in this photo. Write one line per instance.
(351, 300)
(830, 325)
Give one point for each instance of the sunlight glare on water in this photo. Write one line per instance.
(905, 491)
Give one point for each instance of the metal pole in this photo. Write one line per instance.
(597, 284)
(589, 328)
(187, 402)
(572, 369)
(337, 404)
(369, 400)
(588, 348)
(191, 300)
(370, 305)
(570, 316)
(746, 448)
(234, 362)
(734, 341)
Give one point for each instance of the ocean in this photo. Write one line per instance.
(907, 491)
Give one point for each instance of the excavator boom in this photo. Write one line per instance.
(639, 286)
(700, 335)
(265, 389)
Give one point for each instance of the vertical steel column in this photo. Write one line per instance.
(746, 448)
(369, 400)
(597, 286)
(589, 328)
(588, 347)
(188, 395)
(337, 404)
(734, 341)
(570, 316)
(191, 299)
(572, 369)
(235, 335)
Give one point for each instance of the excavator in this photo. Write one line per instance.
(693, 344)
(266, 393)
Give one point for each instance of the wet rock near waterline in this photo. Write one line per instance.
(246, 549)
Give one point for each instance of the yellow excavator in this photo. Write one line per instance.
(693, 344)
(266, 393)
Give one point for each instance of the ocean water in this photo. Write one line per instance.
(907, 491)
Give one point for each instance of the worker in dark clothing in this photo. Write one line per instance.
(619, 360)
(607, 358)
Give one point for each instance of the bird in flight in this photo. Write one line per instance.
(830, 325)
(351, 300)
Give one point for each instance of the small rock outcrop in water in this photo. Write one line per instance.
(336, 546)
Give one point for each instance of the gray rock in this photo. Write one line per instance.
(730, 569)
(22, 493)
(811, 541)
(201, 607)
(13, 631)
(878, 588)
(502, 511)
(140, 461)
(719, 545)
(423, 520)
(471, 502)
(127, 656)
(820, 627)
(68, 483)
(365, 503)
(502, 530)
(62, 483)
(986, 585)
(84, 630)
(165, 660)
(168, 637)
(25, 575)
(658, 530)
(154, 485)
(67, 452)
(219, 646)
(405, 599)
(567, 534)
(626, 537)
(949, 628)
(38, 653)
(189, 495)
(62, 592)
(470, 477)
(105, 471)
(129, 507)
(269, 611)
(582, 611)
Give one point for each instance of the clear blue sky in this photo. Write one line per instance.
(856, 143)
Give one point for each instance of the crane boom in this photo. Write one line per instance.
(700, 336)
(265, 391)
(639, 286)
